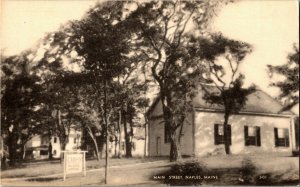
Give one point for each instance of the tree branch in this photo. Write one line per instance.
(212, 70)
(183, 29)
(233, 70)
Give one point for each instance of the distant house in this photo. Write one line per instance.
(257, 128)
(137, 146)
(38, 146)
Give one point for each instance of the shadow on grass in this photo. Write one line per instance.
(44, 179)
(196, 173)
(270, 179)
(250, 175)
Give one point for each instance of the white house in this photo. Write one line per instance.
(38, 146)
(257, 128)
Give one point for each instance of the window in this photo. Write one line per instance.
(55, 139)
(167, 135)
(252, 135)
(75, 139)
(54, 152)
(219, 134)
(123, 146)
(281, 137)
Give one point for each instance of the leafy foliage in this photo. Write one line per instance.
(229, 90)
(289, 87)
(236, 96)
(91, 67)
(21, 103)
(162, 37)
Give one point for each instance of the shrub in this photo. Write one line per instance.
(248, 172)
(295, 153)
(185, 173)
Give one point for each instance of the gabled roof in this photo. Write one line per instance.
(258, 102)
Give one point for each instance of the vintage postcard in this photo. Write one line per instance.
(149, 93)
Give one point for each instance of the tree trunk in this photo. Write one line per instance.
(101, 142)
(12, 144)
(116, 145)
(94, 141)
(50, 146)
(180, 132)
(24, 151)
(106, 134)
(62, 148)
(175, 153)
(96, 149)
(127, 138)
(50, 151)
(146, 135)
(131, 134)
(63, 143)
(62, 136)
(226, 138)
(145, 115)
(120, 136)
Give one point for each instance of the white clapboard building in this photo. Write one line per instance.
(259, 127)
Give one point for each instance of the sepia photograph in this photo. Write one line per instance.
(149, 92)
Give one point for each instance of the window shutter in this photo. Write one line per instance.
(229, 134)
(287, 140)
(276, 136)
(258, 136)
(246, 134)
(216, 134)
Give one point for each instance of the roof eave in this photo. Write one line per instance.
(247, 112)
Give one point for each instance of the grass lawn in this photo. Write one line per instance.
(274, 170)
(35, 169)
(265, 169)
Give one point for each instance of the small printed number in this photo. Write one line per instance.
(262, 177)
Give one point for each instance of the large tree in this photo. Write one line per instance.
(223, 57)
(61, 90)
(130, 98)
(289, 86)
(100, 43)
(21, 103)
(162, 35)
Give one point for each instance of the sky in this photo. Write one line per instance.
(270, 26)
